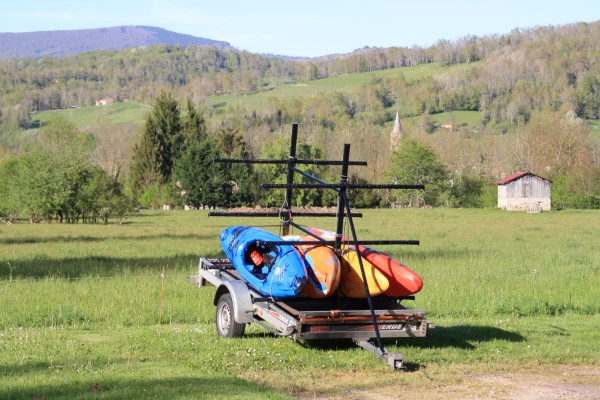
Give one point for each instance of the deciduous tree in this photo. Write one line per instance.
(417, 163)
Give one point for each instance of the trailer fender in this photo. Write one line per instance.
(240, 295)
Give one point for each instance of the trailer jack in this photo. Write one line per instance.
(394, 360)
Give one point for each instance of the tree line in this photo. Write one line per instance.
(524, 70)
(56, 180)
(532, 88)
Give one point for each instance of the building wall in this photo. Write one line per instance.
(528, 193)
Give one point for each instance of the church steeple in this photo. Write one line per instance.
(396, 134)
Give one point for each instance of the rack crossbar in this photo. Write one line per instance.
(338, 186)
(333, 242)
(275, 214)
(295, 161)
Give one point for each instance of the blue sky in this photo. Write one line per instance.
(303, 27)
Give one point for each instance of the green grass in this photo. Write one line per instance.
(348, 84)
(595, 126)
(80, 315)
(133, 113)
(130, 113)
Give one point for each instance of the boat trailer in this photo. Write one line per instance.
(238, 303)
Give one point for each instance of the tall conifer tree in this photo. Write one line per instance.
(161, 144)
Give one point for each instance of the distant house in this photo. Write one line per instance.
(524, 191)
(104, 102)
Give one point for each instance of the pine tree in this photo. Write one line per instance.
(161, 144)
(241, 177)
(203, 181)
(194, 125)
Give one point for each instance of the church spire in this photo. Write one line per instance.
(396, 134)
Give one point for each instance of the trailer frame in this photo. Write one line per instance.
(309, 319)
(335, 317)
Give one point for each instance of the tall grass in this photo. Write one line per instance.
(473, 262)
(490, 262)
(80, 307)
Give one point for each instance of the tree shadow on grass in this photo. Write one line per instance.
(208, 387)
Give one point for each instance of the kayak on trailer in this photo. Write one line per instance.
(277, 271)
(322, 265)
(352, 283)
(402, 280)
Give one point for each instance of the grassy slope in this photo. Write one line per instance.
(345, 84)
(595, 124)
(80, 308)
(114, 114)
(133, 113)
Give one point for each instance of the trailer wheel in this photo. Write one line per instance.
(226, 324)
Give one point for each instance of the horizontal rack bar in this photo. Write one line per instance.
(275, 214)
(338, 186)
(291, 160)
(332, 242)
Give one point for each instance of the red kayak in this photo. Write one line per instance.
(403, 280)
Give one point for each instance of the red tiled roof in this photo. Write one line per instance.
(516, 176)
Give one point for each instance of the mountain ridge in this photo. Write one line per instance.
(62, 43)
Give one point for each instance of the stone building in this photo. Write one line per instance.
(524, 191)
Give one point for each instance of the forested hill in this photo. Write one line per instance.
(531, 97)
(505, 77)
(72, 42)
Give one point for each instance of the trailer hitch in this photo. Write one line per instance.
(393, 360)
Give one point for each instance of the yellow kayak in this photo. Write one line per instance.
(351, 284)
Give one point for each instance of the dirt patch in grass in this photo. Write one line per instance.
(550, 382)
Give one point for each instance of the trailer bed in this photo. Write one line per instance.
(311, 319)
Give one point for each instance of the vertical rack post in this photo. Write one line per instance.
(286, 213)
(344, 206)
(341, 198)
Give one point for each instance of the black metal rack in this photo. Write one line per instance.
(343, 208)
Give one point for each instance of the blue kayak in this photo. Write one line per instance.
(277, 271)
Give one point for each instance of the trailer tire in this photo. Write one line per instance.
(225, 321)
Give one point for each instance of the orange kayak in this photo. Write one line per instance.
(323, 268)
(402, 280)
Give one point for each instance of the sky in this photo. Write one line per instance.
(303, 28)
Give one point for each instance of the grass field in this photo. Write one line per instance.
(80, 315)
(348, 84)
(134, 113)
(130, 113)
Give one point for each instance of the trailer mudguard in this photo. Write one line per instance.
(242, 301)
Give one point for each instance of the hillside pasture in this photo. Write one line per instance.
(132, 114)
(512, 295)
(349, 84)
(129, 113)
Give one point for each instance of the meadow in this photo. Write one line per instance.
(86, 311)
(133, 113)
